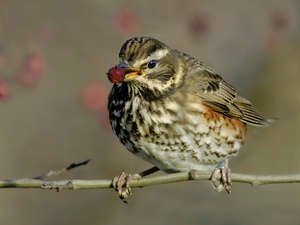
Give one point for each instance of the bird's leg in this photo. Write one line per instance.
(124, 180)
(225, 180)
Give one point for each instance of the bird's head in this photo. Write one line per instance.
(148, 64)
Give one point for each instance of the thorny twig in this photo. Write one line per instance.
(53, 173)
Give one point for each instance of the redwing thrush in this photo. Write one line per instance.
(175, 112)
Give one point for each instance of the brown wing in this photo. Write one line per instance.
(221, 97)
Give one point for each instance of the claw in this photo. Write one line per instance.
(225, 181)
(124, 180)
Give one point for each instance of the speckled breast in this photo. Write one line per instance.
(174, 134)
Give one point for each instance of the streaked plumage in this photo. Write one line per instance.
(178, 115)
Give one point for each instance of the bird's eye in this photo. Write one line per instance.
(152, 64)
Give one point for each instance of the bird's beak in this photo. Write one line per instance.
(129, 72)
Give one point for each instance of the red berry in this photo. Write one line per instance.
(95, 96)
(116, 74)
(35, 64)
(127, 21)
(199, 23)
(3, 89)
(33, 67)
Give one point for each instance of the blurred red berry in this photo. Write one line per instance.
(27, 78)
(3, 89)
(45, 33)
(279, 20)
(35, 63)
(126, 21)
(95, 96)
(198, 23)
(33, 67)
(272, 39)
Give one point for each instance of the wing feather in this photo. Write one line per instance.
(223, 98)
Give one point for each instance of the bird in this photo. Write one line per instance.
(175, 112)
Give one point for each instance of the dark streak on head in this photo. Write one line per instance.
(134, 48)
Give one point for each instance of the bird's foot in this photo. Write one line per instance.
(121, 181)
(225, 180)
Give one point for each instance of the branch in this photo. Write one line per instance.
(254, 180)
(53, 173)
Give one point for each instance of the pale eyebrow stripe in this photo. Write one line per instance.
(158, 54)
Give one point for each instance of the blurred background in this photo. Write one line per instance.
(54, 56)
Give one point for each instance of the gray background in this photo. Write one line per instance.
(254, 45)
